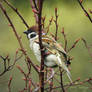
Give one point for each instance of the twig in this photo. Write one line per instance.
(25, 75)
(35, 4)
(43, 21)
(74, 83)
(74, 44)
(61, 75)
(86, 45)
(56, 15)
(17, 12)
(29, 86)
(80, 3)
(50, 22)
(18, 37)
(9, 84)
(35, 9)
(65, 39)
(6, 68)
(51, 85)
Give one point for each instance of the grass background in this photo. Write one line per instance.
(76, 25)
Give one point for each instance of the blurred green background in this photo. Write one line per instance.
(76, 25)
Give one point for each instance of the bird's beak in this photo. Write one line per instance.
(25, 32)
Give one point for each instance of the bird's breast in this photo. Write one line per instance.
(50, 60)
(36, 49)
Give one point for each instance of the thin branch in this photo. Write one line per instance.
(5, 65)
(89, 17)
(17, 12)
(50, 22)
(9, 84)
(61, 78)
(74, 44)
(65, 39)
(18, 37)
(35, 4)
(74, 83)
(34, 9)
(56, 15)
(86, 45)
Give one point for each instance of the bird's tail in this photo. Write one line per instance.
(67, 72)
(62, 65)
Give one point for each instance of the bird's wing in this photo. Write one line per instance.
(51, 44)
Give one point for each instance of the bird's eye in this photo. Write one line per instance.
(32, 35)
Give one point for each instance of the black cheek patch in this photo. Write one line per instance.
(32, 35)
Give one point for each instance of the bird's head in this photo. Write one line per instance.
(32, 33)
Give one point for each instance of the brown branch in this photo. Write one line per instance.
(29, 86)
(18, 37)
(50, 22)
(61, 78)
(86, 45)
(43, 21)
(6, 68)
(51, 85)
(17, 12)
(41, 76)
(35, 4)
(34, 9)
(74, 83)
(74, 44)
(87, 14)
(9, 84)
(65, 39)
(56, 15)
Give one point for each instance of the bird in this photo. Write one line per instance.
(54, 54)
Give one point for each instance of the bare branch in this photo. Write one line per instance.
(9, 84)
(86, 13)
(56, 15)
(18, 37)
(65, 39)
(41, 76)
(86, 45)
(61, 78)
(17, 12)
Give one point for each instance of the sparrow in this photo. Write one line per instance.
(54, 54)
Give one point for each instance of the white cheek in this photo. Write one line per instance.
(29, 36)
